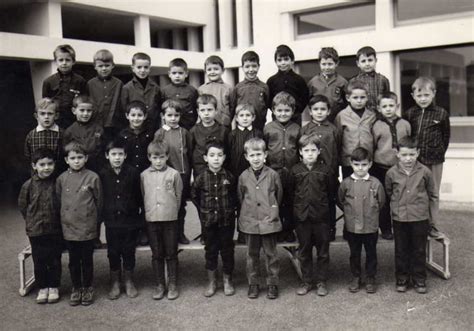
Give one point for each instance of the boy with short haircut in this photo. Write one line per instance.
(326, 132)
(40, 209)
(180, 90)
(388, 129)
(260, 192)
(104, 90)
(354, 125)
(143, 88)
(121, 215)
(328, 82)
(252, 90)
(288, 81)
(179, 142)
(89, 133)
(80, 193)
(47, 133)
(213, 193)
(366, 60)
(414, 200)
(64, 85)
(281, 137)
(161, 188)
(431, 128)
(215, 86)
(361, 196)
(312, 188)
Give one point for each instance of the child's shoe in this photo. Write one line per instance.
(114, 292)
(159, 292)
(354, 285)
(304, 288)
(42, 296)
(321, 289)
(370, 286)
(228, 285)
(272, 292)
(172, 291)
(53, 295)
(402, 286)
(183, 239)
(253, 292)
(130, 288)
(212, 285)
(76, 296)
(420, 287)
(87, 296)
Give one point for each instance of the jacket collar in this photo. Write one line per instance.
(54, 128)
(243, 129)
(365, 178)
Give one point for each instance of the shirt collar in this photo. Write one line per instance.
(166, 127)
(241, 128)
(366, 177)
(325, 122)
(220, 81)
(54, 128)
(156, 170)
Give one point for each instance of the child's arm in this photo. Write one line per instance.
(27, 149)
(341, 195)
(433, 196)
(124, 97)
(178, 188)
(278, 187)
(98, 194)
(46, 91)
(446, 130)
(58, 191)
(196, 193)
(24, 199)
(385, 85)
(240, 190)
(388, 187)
(380, 195)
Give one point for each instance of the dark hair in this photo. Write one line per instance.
(250, 56)
(328, 53)
(361, 154)
(172, 103)
(46, 103)
(367, 51)
(42, 153)
(140, 56)
(356, 85)
(407, 142)
(284, 98)
(284, 51)
(158, 147)
(205, 99)
(216, 144)
(117, 142)
(387, 95)
(74, 146)
(82, 99)
(214, 59)
(178, 62)
(306, 139)
(319, 98)
(104, 55)
(65, 49)
(136, 104)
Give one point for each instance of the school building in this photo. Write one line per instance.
(412, 38)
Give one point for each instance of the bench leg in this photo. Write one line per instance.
(25, 284)
(440, 270)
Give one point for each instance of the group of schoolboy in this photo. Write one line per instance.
(275, 178)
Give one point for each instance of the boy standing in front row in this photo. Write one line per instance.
(413, 201)
(80, 193)
(260, 192)
(40, 209)
(361, 196)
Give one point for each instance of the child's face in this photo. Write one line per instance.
(284, 63)
(83, 112)
(135, 118)
(357, 99)
(207, 113)
(244, 118)
(141, 68)
(177, 75)
(104, 69)
(424, 97)
(361, 168)
(76, 161)
(250, 70)
(116, 157)
(256, 158)
(171, 117)
(214, 72)
(407, 156)
(388, 108)
(158, 162)
(44, 167)
(328, 66)
(46, 117)
(309, 153)
(282, 113)
(64, 62)
(214, 158)
(367, 63)
(319, 111)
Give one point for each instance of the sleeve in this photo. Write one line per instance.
(332, 186)
(195, 193)
(268, 101)
(240, 189)
(278, 187)
(388, 186)
(58, 191)
(341, 193)
(137, 189)
(124, 97)
(233, 101)
(98, 195)
(433, 196)
(23, 198)
(304, 94)
(26, 149)
(233, 191)
(385, 85)
(380, 194)
(446, 131)
(46, 91)
(178, 187)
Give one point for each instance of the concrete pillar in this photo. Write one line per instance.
(177, 37)
(192, 35)
(39, 72)
(163, 39)
(384, 15)
(243, 23)
(386, 65)
(228, 77)
(287, 30)
(209, 35)
(54, 20)
(141, 26)
(225, 23)
(194, 79)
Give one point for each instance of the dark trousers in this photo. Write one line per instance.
(385, 220)
(121, 243)
(185, 178)
(286, 211)
(313, 234)
(163, 237)
(410, 250)
(46, 252)
(81, 262)
(268, 242)
(219, 239)
(369, 241)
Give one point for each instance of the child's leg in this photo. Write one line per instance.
(355, 244)
(437, 171)
(170, 243)
(39, 253)
(401, 234)
(418, 236)
(155, 237)
(254, 243)
(305, 250)
(321, 235)
(74, 248)
(113, 248)
(269, 244)
(226, 246)
(128, 248)
(212, 246)
(54, 260)
(370, 246)
(87, 253)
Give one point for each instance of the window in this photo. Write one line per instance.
(360, 14)
(414, 9)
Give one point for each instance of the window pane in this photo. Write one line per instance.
(357, 15)
(411, 9)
